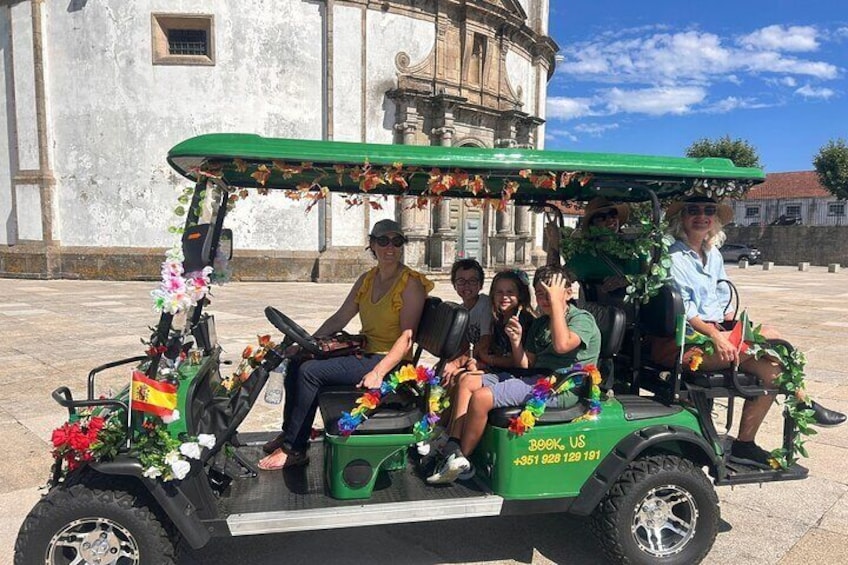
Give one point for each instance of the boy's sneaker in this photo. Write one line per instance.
(749, 453)
(454, 467)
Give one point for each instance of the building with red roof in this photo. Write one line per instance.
(789, 198)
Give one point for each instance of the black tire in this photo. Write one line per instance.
(64, 524)
(636, 501)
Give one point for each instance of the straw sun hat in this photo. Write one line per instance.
(723, 211)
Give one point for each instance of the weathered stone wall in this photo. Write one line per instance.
(789, 245)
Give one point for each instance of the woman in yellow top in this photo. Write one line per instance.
(389, 300)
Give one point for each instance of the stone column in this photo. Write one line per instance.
(444, 238)
(503, 242)
(523, 235)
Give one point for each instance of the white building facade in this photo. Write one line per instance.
(95, 92)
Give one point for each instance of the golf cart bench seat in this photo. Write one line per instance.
(440, 333)
(612, 324)
(659, 319)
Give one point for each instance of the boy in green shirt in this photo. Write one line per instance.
(562, 336)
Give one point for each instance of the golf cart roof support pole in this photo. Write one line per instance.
(163, 328)
(216, 240)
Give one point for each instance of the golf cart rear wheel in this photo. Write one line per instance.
(84, 525)
(661, 510)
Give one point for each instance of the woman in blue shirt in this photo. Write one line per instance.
(697, 267)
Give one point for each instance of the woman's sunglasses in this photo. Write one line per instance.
(384, 240)
(693, 210)
(604, 216)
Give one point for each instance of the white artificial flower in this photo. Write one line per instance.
(190, 449)
(152, 472)
(172, 417)
(206, 440)
(172, 457)
(180, 469)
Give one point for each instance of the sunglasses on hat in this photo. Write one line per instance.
(696, 210)
(384, 240)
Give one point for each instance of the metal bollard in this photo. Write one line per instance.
(833, 268)
(768, 265)
(804, 266)
(743, 264)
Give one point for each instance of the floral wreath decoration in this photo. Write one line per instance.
(547, 388)
(408, 374)
(790, 381)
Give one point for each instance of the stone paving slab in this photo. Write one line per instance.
(87, 323)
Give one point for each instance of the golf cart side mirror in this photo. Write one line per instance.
(225, 244)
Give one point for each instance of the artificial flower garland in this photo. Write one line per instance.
(178, 290)
(546, 388)
(790, 381)
(408, 374)
(91, 438)
(250, 359)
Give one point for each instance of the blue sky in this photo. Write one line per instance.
(653, 76)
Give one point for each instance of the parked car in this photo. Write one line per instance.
(738, 251)
(784, 220)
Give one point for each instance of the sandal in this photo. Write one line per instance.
(293, 459)
(274, 444)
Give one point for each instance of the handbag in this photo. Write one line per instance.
(340, 344)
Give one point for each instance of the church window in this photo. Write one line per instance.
(183, 39)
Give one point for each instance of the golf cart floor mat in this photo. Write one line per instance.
(302, 488)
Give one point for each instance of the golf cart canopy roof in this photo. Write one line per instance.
(522, 175)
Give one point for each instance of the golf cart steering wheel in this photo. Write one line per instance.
(291, 330)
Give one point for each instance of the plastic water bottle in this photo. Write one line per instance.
(274, 386)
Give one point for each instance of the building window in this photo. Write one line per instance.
(752, 211)
(836, 209)
(183, 39)
(793, 209)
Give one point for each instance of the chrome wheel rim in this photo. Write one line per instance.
(92, 541)
(665, 520)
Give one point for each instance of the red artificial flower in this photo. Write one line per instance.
(516, 426)
(60, 436)
(264, 340)
(248, 351)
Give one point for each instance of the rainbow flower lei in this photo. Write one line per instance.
(366, 403)
(546, 388)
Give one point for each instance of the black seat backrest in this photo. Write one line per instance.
(612, 323)
(441, 330)
(659, 316)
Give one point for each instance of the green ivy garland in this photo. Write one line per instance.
(645, 240)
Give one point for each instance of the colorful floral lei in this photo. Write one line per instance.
(547, 388)
(179, 291)
(407, 374)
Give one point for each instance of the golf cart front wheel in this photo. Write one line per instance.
(661, 510)
(82, 525)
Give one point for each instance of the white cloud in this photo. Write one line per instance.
(692, 57)
(731, 103)
(566, 108)
(595, 129)
(655, 101)
(808, 91)
(788, 81)
(780, 38)
(552, 134)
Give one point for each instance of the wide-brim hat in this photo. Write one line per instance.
(601, 204)
(723, 211)
(384, 227)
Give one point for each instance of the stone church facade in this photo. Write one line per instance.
(94, 93)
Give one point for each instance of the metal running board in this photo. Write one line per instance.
(363, 515)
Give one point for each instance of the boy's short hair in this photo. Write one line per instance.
(467, 265)
(546, 272)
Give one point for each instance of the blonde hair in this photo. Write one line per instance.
(716, 236)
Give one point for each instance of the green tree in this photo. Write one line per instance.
(742, 153)
(831, 164)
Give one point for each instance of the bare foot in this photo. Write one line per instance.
(275, 461)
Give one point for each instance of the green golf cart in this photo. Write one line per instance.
(642, 471)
